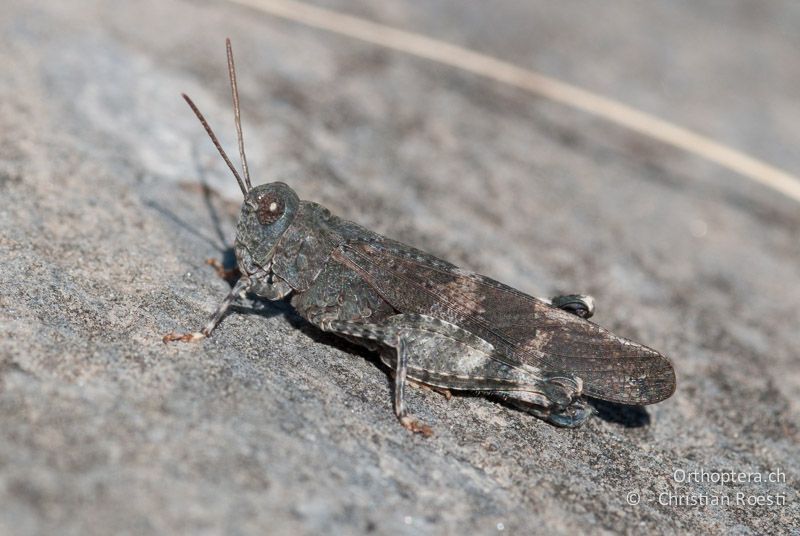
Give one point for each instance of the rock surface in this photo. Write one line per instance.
(273, 426)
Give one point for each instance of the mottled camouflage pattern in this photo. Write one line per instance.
(432, 322)
(455, 329)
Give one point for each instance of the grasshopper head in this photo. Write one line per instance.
(267, 212)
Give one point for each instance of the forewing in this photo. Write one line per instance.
(523, 329)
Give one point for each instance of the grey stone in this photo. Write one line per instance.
(271, 426)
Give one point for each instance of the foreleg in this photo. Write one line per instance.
(243, 285)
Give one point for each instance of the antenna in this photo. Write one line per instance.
(237, 117)
(216, 142)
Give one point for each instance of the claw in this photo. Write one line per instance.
(182, 337)
(418, 427)
(224, 273)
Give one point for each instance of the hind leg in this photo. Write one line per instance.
(571, 415)
(581, 305)
(445, 392)
(558, 402)
(400, 379)
(443, 355)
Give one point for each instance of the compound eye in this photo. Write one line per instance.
(270, 209)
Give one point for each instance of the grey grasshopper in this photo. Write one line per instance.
(432, 323)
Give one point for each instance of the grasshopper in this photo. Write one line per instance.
(432, 323)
